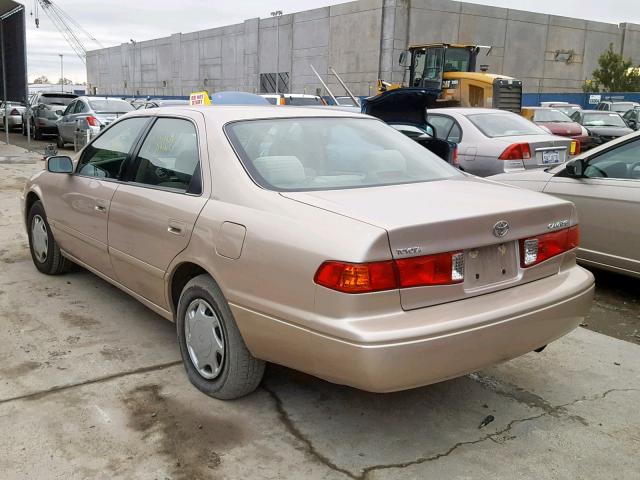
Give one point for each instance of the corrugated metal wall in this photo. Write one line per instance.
(586, 100)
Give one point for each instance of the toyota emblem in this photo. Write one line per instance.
(501, 228)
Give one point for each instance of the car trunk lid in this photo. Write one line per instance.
(456, 215)
(545, 150)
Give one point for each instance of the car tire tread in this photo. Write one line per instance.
(56, 263)
(241, 372)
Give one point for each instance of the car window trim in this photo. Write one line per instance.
(126, 160)
(133, 164)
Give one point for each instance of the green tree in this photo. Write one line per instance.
(614, 75)
(42, 79)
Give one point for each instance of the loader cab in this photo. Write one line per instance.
(429, 63)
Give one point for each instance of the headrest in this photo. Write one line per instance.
(280, 170)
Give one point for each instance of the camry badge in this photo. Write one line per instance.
(501, 228)
(558, 224)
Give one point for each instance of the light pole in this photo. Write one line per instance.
(277, 14)
(61, 74)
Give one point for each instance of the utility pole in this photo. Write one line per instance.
(61, 74)
(277, 14)
(5, 120)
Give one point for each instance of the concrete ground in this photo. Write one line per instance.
(91, 386)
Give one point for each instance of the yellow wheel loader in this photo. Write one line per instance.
(451, 70)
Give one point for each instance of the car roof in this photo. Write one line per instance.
(467, 110)
(230, 113)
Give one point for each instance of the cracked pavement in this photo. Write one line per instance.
(91, 387)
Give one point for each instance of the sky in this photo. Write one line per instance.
(113, 22)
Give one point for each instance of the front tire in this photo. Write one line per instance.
(60, 142)
(214, 354)
(37, 135)
(45, 252)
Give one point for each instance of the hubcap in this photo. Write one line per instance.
(39, 238)
(204, 338)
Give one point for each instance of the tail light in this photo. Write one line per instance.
(93, 121)
(438, 269)
(281, 101)
(538, 249)
(517, 151)
(454, 159)
(575, 147)
(14, 112)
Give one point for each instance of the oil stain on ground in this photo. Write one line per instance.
(77, 320)
(189, 438)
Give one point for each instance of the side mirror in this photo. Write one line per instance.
(576, 168)
(60, 164)
(59, 112)
(403, 58)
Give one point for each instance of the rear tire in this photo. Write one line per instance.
(37, 135)
(45, 252)
(60, 142)
(204, 325)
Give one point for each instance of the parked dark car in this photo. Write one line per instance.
(43, 112)
(632, 117)
(603, 126)
(614, 106)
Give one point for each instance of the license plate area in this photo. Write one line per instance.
(490, 265)
(550, 157)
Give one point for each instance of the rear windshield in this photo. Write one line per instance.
(110, 106)
(603, 120)
(550, 116)
(503, 124)
(57, 99)
(303, 154)
(303, 101)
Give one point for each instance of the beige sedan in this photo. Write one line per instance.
(604, 184)
(325, 241)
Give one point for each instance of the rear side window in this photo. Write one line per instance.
(169, 157)
(104, 157)
(442, 125)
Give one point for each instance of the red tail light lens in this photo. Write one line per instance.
(357, 277)
(93, 121)
(538, 249)
(517, 151)
(454, 158)
(14, 112)
(438, 269)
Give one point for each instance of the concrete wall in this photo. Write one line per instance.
(362, 40)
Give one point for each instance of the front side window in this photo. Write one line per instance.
(169, 157)
(105, 156)
(304, 154)
(70, 109)
(504, 125)
(620, 163)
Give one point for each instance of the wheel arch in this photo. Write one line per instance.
(31, 198)
(179, 277)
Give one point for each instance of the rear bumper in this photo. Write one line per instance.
(496, 327)
(12, 120)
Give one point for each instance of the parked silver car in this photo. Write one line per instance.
(43, 112)
(13, 112)
(496, 141)
(89, 115)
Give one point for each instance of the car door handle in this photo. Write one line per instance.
(176, 228)
(100, 208)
